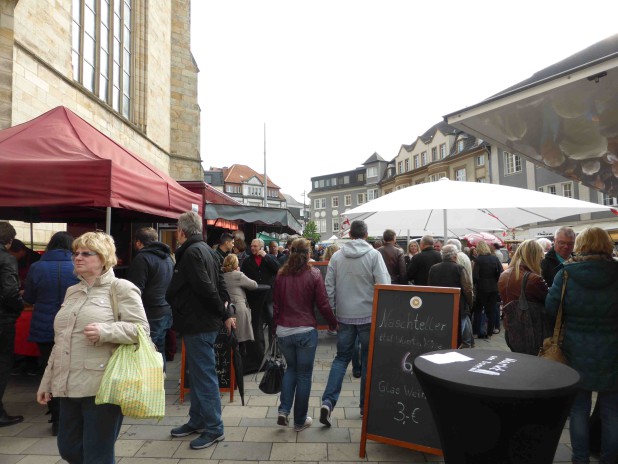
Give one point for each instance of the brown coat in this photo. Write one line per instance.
(395, 263)
(510, 287)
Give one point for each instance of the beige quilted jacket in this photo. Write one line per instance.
(76, 365)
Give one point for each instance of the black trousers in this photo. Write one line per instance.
(7, 342)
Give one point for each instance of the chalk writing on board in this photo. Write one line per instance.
(403, 415)
(411, 322)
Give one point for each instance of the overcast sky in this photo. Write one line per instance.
(337, 80)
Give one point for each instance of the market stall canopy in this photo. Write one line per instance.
(277, 217)
(564, 117)
(473, 239)
(57, 167)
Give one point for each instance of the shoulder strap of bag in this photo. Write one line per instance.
(523, 302)
(114, 300)
(558, 332)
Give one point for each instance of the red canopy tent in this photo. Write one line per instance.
(59, 168)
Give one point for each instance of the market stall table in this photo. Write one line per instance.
(496, 407)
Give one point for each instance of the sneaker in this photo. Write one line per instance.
(184, 430)
(332, 333)
(325, 411)
(307, 424)
(282, 419)
(205, 440)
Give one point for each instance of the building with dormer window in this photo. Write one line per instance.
(245, 185)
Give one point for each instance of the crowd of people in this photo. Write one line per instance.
(198, 290)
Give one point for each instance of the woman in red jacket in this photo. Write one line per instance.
(298, 289)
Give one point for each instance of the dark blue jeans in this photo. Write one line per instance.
(578, 426)
(299, 353)
(87, 432)
(7, 341)
(346, 338)
(158, 331)
(205, 410)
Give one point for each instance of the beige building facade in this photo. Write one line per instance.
(125, 66)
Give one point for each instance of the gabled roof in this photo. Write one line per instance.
(373, 159)
(239, 173)
(430, 133)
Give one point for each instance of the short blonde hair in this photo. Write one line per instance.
(102, 244)
(330, 251)
(482, 248)
(594, 240)
(230, 263)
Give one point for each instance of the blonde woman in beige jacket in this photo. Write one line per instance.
(86, 334)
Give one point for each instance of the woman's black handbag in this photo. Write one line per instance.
(274, 368)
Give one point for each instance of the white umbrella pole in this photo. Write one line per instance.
(445, 237)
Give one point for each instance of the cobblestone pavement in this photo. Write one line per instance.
(251, 433)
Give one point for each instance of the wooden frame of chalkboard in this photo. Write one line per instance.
(407, 321)
(224, 358)
(322, 266)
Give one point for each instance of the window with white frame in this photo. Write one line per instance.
(434, 154)
(321, 225)
(334, 202)
(372, 194)
(567, 189)
(480, 160)
(315, 184)
(423, 158)
(512, 163)
(231, 188)
(319, 203)
(460, 145)
(346, 179)
(609, 201)
(102, 50)
(460, 174)
(360, 177)
(436, 177)
(333, 181)
(347, 200)
(551, 189)
(254, 191)
(416, 162)
(372, 172)
(407, 164)
(336, 224)
(400, 167)
(442, 150)
(360, 198)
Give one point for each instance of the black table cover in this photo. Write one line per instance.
(499, 407)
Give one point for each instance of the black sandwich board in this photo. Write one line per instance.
(407, 321)
(223, 364)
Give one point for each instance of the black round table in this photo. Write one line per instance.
(498, 407)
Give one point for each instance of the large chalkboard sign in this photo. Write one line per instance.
(223, 365)
(407, 321)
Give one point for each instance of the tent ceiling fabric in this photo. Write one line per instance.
(59, 161)
(254, 214)
(563, 118)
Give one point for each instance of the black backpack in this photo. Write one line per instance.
(525, 323)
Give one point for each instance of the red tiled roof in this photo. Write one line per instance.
(239, 173)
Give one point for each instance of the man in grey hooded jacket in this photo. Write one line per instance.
(352, 273)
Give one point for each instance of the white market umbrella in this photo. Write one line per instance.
(462, 207)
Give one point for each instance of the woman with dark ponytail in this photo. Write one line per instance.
(298, 289)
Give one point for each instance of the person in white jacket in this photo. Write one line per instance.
(86, 333)
(352, 273)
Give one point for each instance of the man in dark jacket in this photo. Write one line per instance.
(561, 251)
(261, 267)
(393, 258)
(418, 269)
(151, 271)
(226, 243)
(11, 306)
(450, 274)
(196, 296)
